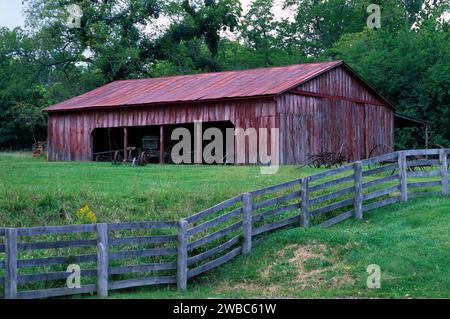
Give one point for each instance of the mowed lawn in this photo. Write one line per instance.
(37, 192)
(410, 242)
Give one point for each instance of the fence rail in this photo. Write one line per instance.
(118, 256)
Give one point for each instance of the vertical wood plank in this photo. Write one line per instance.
(444, 172)
(102, 260)
(282, 126)
(161, 144)
(304, 193)
(125, 144)
(358, 190)
(403, 176)
(182, 255)
(11, 263)
(247, 222)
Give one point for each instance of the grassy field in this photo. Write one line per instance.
(410, 242)
(37, 192)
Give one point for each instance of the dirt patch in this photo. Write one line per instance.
(307, 252)
(343, 280)
(315, 265)
(310, 266)
(252, 288)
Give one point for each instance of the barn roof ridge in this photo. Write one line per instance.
(202, 87)
(227, 71)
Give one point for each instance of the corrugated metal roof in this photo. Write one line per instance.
(197, 87)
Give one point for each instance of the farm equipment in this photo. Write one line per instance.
(39, 149)
(329, 159)
(139, 156)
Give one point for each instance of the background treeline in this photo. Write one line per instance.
(407, 60)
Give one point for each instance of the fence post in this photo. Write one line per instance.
(358, 190)
(304, 193)
(402, 166)
(11, 263)
(444, 173)
(102, 260)
(182, 255)
(247, 207)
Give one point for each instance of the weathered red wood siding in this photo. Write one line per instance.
(69, 133)
(348, 115)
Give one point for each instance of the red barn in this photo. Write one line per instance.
(316, 107)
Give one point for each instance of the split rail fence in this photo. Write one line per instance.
(39, 261)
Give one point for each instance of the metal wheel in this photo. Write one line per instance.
(143, 160)
(117, 159)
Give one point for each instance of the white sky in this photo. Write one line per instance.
(11, 13)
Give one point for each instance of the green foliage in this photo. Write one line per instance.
(259, 28)
(193, 40)
(318, 25)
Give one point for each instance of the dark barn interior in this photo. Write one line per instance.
(157, 140)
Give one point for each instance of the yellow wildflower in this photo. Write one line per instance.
(86, 215)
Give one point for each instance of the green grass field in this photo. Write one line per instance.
(37, 192)
(410, 242)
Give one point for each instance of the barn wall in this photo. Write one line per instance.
(69, 133)
(340, 82)
(348, 116)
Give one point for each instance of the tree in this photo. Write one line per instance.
(259, 28)
(319, 24)
(110, 37)
(21, 99)
(196, 34)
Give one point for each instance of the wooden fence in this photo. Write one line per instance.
(118, 256)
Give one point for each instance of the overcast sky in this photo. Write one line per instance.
(11, 13)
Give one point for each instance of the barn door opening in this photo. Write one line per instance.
(145, 139)
(169, 143)
(110, 142)
(105, 142)
(155, 141)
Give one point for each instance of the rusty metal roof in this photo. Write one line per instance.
(198, 87)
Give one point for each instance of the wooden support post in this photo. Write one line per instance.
(198, 142)
(304, 193)
(102, 260)
(402, 175)
(358, 190)
(125, 144)
(182, 268)
(247, 222)
(11, 263)
(444, 172)
(161, 144)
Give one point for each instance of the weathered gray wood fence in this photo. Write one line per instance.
(111, 256)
